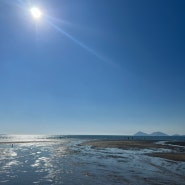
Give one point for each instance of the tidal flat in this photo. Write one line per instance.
(175, 150)
(87, 161)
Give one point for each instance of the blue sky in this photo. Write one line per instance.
(92, 67)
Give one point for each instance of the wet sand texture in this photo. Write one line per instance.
(170, 156)
(177, 153)
(128, 144)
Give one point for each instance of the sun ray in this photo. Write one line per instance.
(81, 44)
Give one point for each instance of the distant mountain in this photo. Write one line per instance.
(140, 134)
(152, 134)
(158, 134)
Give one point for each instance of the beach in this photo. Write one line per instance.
(90, 160)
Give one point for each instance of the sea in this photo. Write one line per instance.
(57, 160)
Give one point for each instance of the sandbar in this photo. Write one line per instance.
(177, 152)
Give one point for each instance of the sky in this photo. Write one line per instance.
(92, 67)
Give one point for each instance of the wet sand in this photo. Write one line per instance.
(179, 143)
(170, 156)
(177, 147)
(74, 162)
(129, 144)
(177, 151)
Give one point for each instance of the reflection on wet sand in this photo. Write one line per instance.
(73, 162)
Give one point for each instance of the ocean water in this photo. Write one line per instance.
(60, 160)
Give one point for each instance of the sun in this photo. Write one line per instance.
(36, 13)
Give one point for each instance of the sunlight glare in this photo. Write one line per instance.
(36, 13)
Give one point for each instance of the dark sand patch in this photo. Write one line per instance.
(170, 156)
(179, 143)
(177, 152)
(128, 144)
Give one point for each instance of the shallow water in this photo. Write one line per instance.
(64, 161)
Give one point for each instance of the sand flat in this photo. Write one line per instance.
(128, 144)
(177, 152)
(171, 156)
(67, 161)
